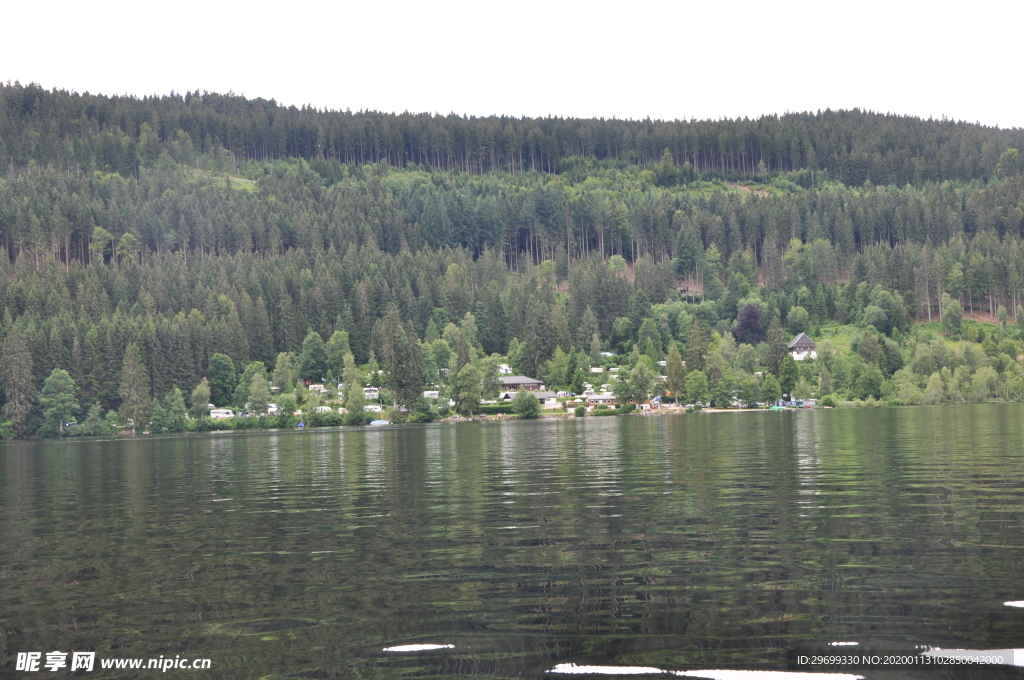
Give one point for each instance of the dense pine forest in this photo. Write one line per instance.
(166, 253)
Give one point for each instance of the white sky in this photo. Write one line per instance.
(661, 59)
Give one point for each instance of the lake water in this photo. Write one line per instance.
(672, 542)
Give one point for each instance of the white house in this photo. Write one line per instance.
(547, 399)
(802, 347)
(219, 413)
(371, 393)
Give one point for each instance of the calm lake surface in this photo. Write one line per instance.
(674, 542)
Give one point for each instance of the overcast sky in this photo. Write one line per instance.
(629, 60)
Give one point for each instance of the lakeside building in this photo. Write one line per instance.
(802, 347)
(514, 383)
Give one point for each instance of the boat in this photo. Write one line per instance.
(380, 422)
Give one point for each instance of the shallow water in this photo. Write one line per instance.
(675, 543)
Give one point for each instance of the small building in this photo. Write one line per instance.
(597, 369)
(221, 413)
(514, 383)
(606, 398)
(431, 394)
(547, 399)
(371, 393)
(802, 347)
(504, 369)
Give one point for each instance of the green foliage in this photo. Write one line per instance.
(259, 394)
(313, 361)
(57, 399)
(201, 399)
(580, 411)
(952, 316)
(19, 390)
(525, 405)
(134, 390)
(170, 414)
(287, 404)
(771, 390)
(467, 390)
(565, 253)
(222, 379)
(697, 387)
(788, 374)
(337, 347)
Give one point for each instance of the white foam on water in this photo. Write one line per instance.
(417, 648)
(1015, 603)
(573, 669)
(843, 644)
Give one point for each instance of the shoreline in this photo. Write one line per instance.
(362, 428)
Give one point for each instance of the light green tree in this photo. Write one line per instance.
(697, 387)
(771, 391)
(641, 382)
(802, 389)
(201, 399)
(58, 402)
(467, 390)
(525, 405)
(284, 371)
(259, 394)
(952, 316)
(354, 399)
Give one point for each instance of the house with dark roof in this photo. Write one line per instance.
(514, 383)
(802, 347)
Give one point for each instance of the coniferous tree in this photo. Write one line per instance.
(676, 373)
(19, 391)
(354, 399)
(222, 379)
(134, 391)
(776, 346)
(313, 361)
(337, 347)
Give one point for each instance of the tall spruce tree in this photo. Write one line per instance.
(134, 390)
(19, 391)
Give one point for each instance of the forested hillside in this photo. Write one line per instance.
(156, 234)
